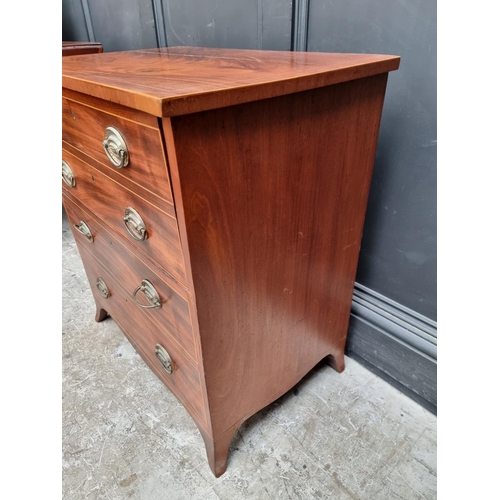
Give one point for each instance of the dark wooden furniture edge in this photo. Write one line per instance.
(80, 48)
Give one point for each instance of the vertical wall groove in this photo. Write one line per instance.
(161, 33)
(260, 23)
(300, 25)
(88, 20)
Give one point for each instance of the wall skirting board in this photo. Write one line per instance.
(396, 343)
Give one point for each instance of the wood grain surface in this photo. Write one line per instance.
(173, 317)
(78, 48)
(111, 108)
(274, 195)
(264, 161)
(143, 334)
(83, 127)
(108, 200)
(179, 80)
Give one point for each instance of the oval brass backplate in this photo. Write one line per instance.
(134, 224)
(151, 294)
(85, 230)
(115, 147)
(67, 175)
(102, 288)
(164, 358)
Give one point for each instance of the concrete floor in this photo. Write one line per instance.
(348, 436)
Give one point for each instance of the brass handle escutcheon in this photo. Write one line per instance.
(151, 295)
(67, 175)
(102, 288)
(164, 358)
(115, 147)
(85, 230)
(134, 224)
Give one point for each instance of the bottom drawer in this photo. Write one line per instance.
(147, 339)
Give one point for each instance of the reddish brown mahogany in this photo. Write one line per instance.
(184, 381)
(77, 48)
(265, 160)
(127, 267)
(95, 190)
(83, 129)
(181, 80)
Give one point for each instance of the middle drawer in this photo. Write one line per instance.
(111, 202)
(173, 317)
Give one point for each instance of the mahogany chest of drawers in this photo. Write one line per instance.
(217, 198)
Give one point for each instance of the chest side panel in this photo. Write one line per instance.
(274, 195)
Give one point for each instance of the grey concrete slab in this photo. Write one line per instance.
(341, 436)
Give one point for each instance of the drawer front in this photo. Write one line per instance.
(173, 316)
(84, 127)
(109, 200)
(144, 335)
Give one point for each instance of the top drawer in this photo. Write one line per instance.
(84, 127)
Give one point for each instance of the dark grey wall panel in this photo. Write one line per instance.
(74, 28)
(398, 254)
(123, 24)
(396, 343)
(276, 24)
(411, 371)
(239, 24)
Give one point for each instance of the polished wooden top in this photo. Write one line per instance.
(179, 80)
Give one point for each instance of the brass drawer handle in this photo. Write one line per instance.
(151, 295)
(67, 175)
(164, 358)
(102, 288)
(134, 224)
(84, 229)
(115, 147)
